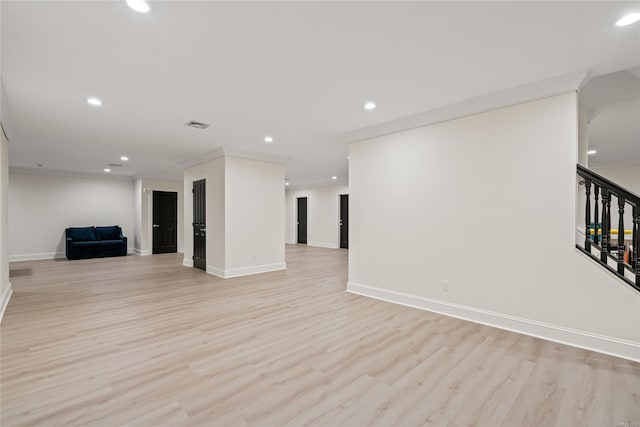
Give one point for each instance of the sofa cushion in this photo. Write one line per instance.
(82, 234)
(108, 233)
(84, 243)
(118, 242)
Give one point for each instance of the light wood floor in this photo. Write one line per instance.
(143, 341)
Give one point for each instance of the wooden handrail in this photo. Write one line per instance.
(616, 189)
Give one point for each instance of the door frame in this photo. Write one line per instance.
(150, 220)
(189, 199)
(340, 218)
(306, 197)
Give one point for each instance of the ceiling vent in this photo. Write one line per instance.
(115, 165)
(197, 125)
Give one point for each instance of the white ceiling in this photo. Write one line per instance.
(299, 71)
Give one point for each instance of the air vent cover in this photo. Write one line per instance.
(115, 165)
(197, 125)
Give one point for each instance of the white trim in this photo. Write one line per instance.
(232, 152)
(340, 182)
(245, 271)
(5, 300)
(570, 82)
(73, 174)
(215, 271)
(202, 158)
(141, 252)
(323, 245)
(181, 250)
(187, 262)
(560, 334)
(36, 257)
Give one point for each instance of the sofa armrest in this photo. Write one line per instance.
(68, 249)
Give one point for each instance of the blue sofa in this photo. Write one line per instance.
(95, 242)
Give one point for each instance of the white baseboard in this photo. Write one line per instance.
(215, 271)
(141, 252)
(560, 334)
(36, 257)
(6, 296)
(245, 271)
(181, 250)
(324, 245)
(187, 262)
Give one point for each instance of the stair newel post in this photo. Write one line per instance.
(596, 213)
(605, 226)
(587, 216)
(621, 203)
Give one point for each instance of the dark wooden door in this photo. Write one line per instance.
(199, 225)
(344, 221)
(165, 222)
(302, 220)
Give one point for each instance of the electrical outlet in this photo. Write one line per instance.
(445, 286)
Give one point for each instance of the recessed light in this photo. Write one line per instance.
(124, 158)
(107, 170)
(286, 183)
(94, 101)
(348, 157)
(369, 106)
(139, 5)
(592, 152)
(628, 19)
(334, 177)
(268, 139)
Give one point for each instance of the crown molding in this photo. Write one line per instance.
(339, 183)
(56, 172)
(232, 152)
(570, 82)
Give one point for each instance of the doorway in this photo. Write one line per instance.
(344, 221)
(165, 222)
(302, 220)
(199, 225)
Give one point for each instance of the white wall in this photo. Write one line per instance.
(323, 215)
(42, 206)
(5, 285)
(213, 172)
(144, 244)
(627, 176)
(486, 202)
(244, 215)
(254, 216)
